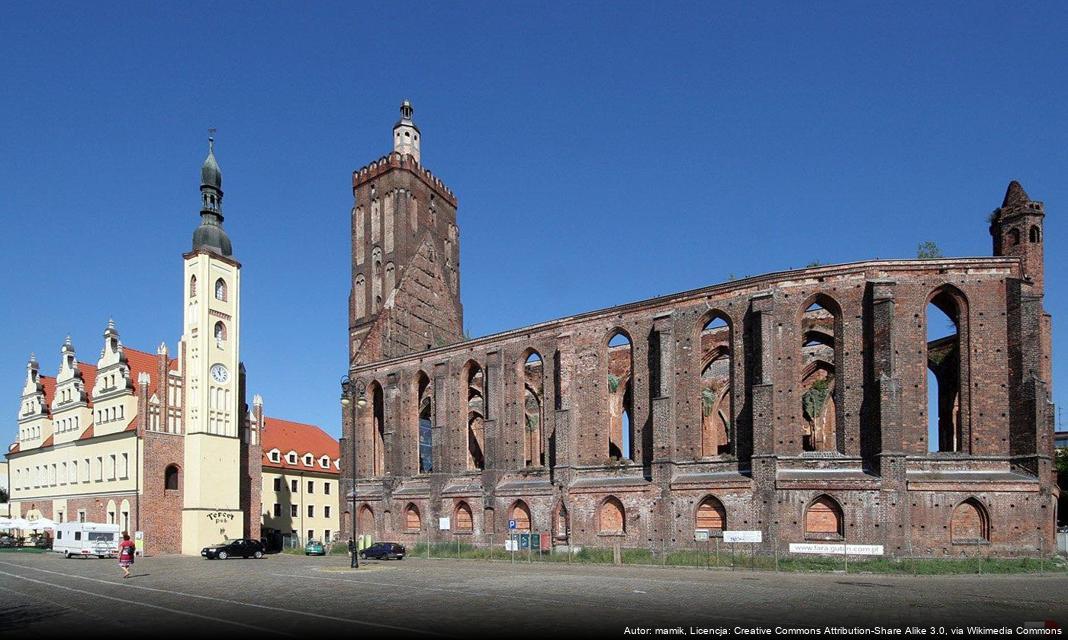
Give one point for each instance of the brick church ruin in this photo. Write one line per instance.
(794, 403)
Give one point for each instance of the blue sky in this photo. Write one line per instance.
(602, 153)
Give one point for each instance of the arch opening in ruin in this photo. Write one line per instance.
(943, 358)
(620, 397)
(716, 387)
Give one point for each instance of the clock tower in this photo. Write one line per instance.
(212, 504)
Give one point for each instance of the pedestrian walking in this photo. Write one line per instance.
(126, 554)
(352, 553)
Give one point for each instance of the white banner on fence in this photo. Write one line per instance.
(838, 549)
(511, 545)
(443, 524)
(742, 536)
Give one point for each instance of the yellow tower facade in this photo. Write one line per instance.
(211, 339)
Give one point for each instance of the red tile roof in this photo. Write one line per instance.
(289, 436)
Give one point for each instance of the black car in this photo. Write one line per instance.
(384, 551)
(240, 548)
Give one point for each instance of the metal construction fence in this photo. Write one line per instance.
(714, 553)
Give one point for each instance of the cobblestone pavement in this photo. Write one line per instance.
(281, 595)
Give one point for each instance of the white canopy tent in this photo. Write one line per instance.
(40, 524)
(14, 523)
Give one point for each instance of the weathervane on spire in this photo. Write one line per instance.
(211, 139)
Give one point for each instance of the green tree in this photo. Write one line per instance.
(928, 251)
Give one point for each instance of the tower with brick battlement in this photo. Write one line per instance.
(405, 290)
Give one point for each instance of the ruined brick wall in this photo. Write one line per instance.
(801, 412)
(890, 490)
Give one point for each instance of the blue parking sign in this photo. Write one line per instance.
(511, 524)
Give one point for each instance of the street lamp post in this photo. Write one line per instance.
(353, 396)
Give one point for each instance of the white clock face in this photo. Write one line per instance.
(219, 373)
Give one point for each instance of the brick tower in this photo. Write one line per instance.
(1017, 231)
(405, 294)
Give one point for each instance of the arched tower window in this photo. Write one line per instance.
(220, 331)
(944, 375)
(716, 388)
(620, 397)
(612, 516)
(464, 521)
(359, 294)
(1014, 237)
(170, 477)
(823, 519)
(391, 279)
(475, 389)
(820, 396)
(192, 286)
(220, 289)
(533, 376)
(425, 423)
(710, 515)
(1035, 234)
(376, 279)
(970, 523)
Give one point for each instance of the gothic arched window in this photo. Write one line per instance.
(220, 289)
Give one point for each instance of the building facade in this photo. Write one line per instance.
(793, 403)
(156, 443)
(300, 490)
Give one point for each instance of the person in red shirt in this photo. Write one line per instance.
(126, 554)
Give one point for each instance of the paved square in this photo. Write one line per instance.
(281, 595)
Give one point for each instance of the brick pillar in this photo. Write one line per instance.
(440, 432)
(895, 514)
(662, 390)
(663, 395)
(498, 449)
(563, 430)
(763, 420)
(764, 463)
(163, 388)
(392, 426)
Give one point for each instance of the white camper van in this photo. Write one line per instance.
(86, 539)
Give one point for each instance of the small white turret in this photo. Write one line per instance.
(405, 133)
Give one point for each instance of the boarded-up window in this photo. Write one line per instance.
(969, 522)
(463, 517)
(823, 518)
(521, 515)
(411, 518)
(612, 516)
(367, 520)
(710, 515)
